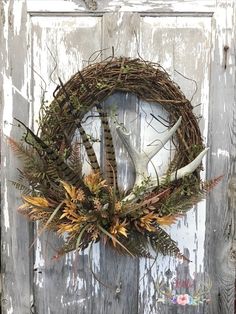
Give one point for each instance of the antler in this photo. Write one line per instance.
(141, 160)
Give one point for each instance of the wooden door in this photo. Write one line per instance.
(193, 41)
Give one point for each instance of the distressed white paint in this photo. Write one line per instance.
(7, 110)
(6, 208)
(39, 264)
(58, 41)
(53, 5)
(222, 152)
(7, 127)
(10, 309)
(17, 17)
(191, 59)
(197, 69)
(201, 6)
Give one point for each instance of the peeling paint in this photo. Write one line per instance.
(222, 152)
(192, 59)
(8, 108)
(6, 208)
(17, 17)
(123, 5)
(53, 5)
(10, 310)
(39, 264)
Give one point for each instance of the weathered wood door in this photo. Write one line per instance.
(194, 41)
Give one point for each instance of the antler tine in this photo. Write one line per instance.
(141, 160)
(184, 171)
(179, 174)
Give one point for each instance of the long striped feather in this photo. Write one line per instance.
(162, 242)
(110, 160)
(88, 146)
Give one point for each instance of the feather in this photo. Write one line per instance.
(67, 174)
(110, 160)
(110, 165)
(88, 146)
(75, 159)
(21, 187)
(162, 242)
(136, 243)
(89, 149)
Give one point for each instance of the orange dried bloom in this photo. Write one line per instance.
(117, 229)
(69, 228)
(94, 182)
(35, 201)
(73, 193)
(167, 220)
(147, 221)
(34, 207)
(118, 207)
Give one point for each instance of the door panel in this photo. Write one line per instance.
(60, 47)
(182, 46)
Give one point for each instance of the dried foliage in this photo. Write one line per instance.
(89, 208)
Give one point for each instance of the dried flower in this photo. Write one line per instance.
(36, 201)
(94, 182)
(147, 221)
(118, 206)
(118, 228)
(35, 207)
(167, 220)
(73, 193)
(97, 204)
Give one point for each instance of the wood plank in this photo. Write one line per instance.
(220, 243)
(60, 47)
(166, 40)
(117, 271)
(120, 31)
(16, 259)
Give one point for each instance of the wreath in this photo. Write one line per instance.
(87, 208)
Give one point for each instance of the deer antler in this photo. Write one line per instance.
(141, 160)
(184, 171)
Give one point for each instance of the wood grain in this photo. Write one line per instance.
(166, 40)
(220, 221)
(65, 285)
(16, 232)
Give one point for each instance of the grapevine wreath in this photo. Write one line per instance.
(87, 208)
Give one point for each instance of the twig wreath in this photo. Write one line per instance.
(88, 208)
